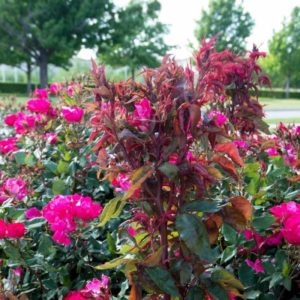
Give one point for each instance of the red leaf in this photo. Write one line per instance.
(243, 206)
(231, 150)
(227, 165)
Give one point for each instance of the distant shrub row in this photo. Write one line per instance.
(21, 88)
(279, 93)
(14, 88)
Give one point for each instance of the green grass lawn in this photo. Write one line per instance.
(278, 104)
(283, 120)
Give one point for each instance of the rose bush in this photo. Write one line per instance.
(51, 198)
(175, 183)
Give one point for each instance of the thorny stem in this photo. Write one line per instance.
(162, 228)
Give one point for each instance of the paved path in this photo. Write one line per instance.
(282, 114)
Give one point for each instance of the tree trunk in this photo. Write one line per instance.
(28, 75)
(287, 87)
(43, 64)
(132, 73)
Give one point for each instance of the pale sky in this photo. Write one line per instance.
(181, 16)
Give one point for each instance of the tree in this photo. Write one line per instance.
(138, 38)
(53, 31)
(285, 46)
(229, 21)
(14, 57)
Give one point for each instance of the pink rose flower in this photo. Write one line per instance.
(63, 213)
(54, 88)
(291, 230)
(51, 137)
(8, 145)
(272, 152)
(41, 93)
(32, 213)
(285, 210)
(38, 105)
(72, 114)
(142, 115)
(219, 118)
(18, 271)
(75, 295)
(256, 265)
(16, 188)
(15, 230)
(2, 229)
(241, 144)
(131, 231)
(10, 120)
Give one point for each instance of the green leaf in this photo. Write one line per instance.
(185, 272)
(163, 280)
(169, 170)
(222, 276)
(263, 222)
(30, 160)
(12, 252)
(275, 279)
(62, 167)
(193, 232)
(51, 166)
(195, 293)
(228, 253)
(58, 187)
(112, 210)
(218, 292)
(111, 243)
(20, 157)
(35, 223)
(287, 283)
(46, 246)
(201, 205)
(252, 295)
(115, 262)
(246, 275)
(285, 269)
(230, 235)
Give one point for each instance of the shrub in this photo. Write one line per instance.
(196, 199)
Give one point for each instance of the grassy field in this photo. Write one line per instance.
(283, 120)
(280, 104)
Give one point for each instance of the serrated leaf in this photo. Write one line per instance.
(58, 187)
(193, 232)
(230, 235)
(62, 167)
(20, 157)
(263, 222)
(137, 178)
(115, 263)
(111, 210)
(51, 166)
(163, 280)
(195, 293)
(169, 170)
(232, 151)
(225, 278)
(242, 205)
(201, 205)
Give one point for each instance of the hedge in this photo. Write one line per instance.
(14, 88)
(21, 88)
(279, 93)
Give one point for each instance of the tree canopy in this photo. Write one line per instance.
(53, 31)
(285, 47)
(229, 21)
(138, 37)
